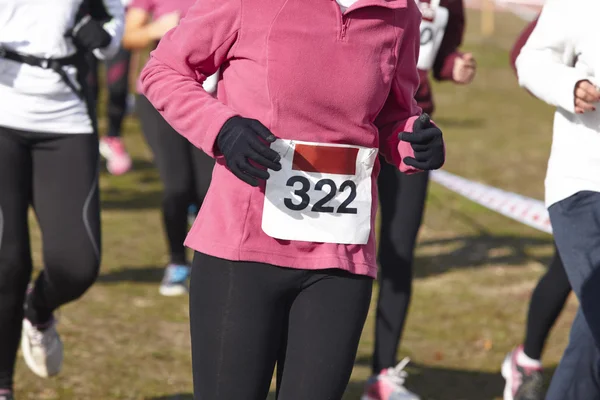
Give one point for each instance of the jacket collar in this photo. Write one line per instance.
(392, 4)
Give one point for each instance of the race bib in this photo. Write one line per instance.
(433, 27)
(323, 193)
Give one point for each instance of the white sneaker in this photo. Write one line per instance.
(389, 385)
(42, 350)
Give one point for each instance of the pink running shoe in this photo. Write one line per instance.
(118, 161)
(389, 385)
(522, 383)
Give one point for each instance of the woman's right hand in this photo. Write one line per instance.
(244, 142)
(586, 95)
(159, 28)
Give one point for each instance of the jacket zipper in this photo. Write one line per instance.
(345, 20)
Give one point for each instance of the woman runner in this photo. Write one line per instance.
(403, 197)
(285, 257)
(560, 66)
(522, 367)
(49, 160)
(185, 171)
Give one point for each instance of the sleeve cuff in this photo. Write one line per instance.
(404, 149)
(446, 72)
(207, 141)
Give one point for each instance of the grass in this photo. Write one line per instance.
(474, 269)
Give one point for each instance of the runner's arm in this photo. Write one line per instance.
(401, 110)
(172, 80)
(520, 42)
(453, 37)
(140, 30)
(137, 35)
(545, 63)
(113, 9)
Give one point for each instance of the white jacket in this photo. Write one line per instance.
(563, 49)
(36, 99)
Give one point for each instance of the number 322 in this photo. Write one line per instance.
(320, 206)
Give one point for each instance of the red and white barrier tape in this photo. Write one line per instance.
(520, 208)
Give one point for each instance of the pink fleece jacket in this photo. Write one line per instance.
(307, 72)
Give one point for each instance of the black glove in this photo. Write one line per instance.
(241, 140)
(427, 142)
(89, 34)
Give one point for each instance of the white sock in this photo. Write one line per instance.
(525, 361)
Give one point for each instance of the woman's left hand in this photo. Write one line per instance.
(464, 69)
(427, 143)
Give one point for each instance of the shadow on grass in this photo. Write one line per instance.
(479, 250)
(180, 396)
(482, 248)
(147, 274)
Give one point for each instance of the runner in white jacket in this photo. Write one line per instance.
(559, 64)
(48, 159)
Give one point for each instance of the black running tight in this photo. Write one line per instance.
(185, 172)
(547, 301)
(402, 201)
(58, 176)
(246, 317)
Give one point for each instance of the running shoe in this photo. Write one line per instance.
(174, 281)
(42, 348)
(389, 385)
(522, 383)
(118, 161)
(6, 396)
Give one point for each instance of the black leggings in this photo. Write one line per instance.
(117, 82)
(58, 176)
(185, 172)
(246, 317)
(547, 301)
(402, 201)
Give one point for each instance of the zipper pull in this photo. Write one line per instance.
(344, 26)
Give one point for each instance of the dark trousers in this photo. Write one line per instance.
(576, 227)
